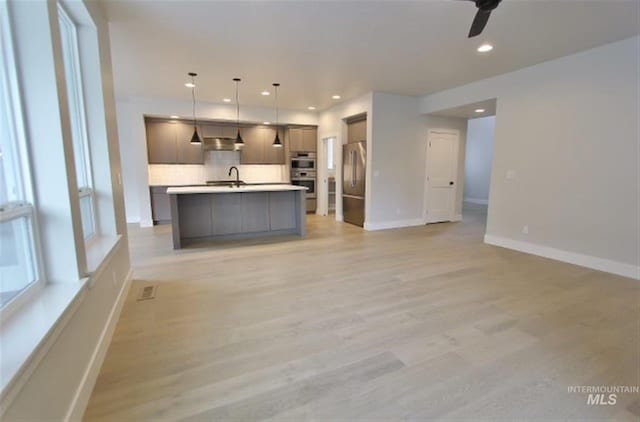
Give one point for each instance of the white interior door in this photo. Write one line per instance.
(442, 170)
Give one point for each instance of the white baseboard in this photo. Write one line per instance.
(393, 224)
(476, 201)
(83, 393)
(457, 217)
(339, 217)
(133, 220)
(601, 264)
(146, 223)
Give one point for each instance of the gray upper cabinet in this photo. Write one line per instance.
(161, 142)
(211, 130)
(168, 143)
(302, 139)
(229, 131)
(295, 139)
(309, 139)
(253, 150)
(357, 131)
(258, 146)
(187, 152)
(273, 155)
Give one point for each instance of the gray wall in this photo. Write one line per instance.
(568, 130)
(478, 158)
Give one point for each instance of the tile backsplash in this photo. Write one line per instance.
(216, 167)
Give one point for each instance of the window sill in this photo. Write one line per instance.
(26, 335)
(99, 250)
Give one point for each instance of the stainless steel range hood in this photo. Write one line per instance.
(218, 144)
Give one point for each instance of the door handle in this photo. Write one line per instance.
(353, 169)
(450, 183)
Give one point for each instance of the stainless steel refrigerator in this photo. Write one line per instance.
(354, 165)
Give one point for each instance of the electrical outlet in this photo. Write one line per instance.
(511, 174)
(525, 229)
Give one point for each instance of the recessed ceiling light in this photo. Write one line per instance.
(311, 108)
(266, 123)
(265, 93)
(190, 85)
(336, 97)
(484, 48)
(227, 100)
(479, 110)
(173, 116)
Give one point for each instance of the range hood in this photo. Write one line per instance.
(218, 144)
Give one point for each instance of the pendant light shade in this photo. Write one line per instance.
(276, 142)
(195, 139)
(239, 141)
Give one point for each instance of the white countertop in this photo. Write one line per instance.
(226, 189)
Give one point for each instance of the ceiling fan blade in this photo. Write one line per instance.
(479, 22)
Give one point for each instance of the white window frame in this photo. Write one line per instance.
(26, 207)
(78, 118)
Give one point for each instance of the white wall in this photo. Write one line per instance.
(567, 130)
(57, 386)
(131, 114)
(396, 159)
(331, 123)
(478, 158)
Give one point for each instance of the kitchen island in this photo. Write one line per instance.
(231, 212)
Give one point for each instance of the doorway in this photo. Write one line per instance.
(477, 166)
(328, 158)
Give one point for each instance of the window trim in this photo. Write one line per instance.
(16, 118)
(79, 120)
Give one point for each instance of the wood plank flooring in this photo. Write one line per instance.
(419, 323)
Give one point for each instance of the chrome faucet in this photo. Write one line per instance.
(237, 175)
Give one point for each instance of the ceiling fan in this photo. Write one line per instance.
(482, 16)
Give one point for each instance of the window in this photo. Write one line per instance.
(71, 57)
(330, 157)
(18, 269)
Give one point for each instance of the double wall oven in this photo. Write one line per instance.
(303, 173)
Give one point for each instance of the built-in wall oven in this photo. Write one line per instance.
(305, 178)
(303, 161)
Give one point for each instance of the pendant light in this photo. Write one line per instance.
(239, 141)
(276, 142)
(195, 139)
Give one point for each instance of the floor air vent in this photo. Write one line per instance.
(147, 292)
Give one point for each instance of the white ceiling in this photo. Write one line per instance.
(316, 49)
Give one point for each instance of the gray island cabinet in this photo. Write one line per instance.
(223, 212)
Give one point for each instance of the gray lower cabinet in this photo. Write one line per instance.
(283, 214)
(226, 214)
(195, 215)
(236, 215)
(255, 212)
(160, 205)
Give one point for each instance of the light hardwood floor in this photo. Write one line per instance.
(419, 323)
